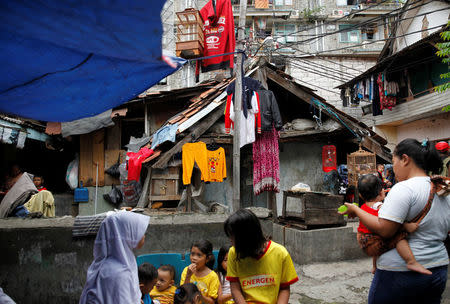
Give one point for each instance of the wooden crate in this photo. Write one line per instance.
(164, 185)
(313, 208)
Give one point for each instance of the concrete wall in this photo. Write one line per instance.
(435, 128)
(321, 245)
(102, 205)
(63, 203)
(41, 262)
(431, 19)
(299, 162)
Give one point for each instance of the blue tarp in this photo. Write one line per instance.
(63, 60)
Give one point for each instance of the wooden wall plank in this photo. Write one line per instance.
(85, 169)
(111, 157)
(112, 150)
(98, 156)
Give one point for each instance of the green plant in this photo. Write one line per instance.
(444, 53)
(311, 15)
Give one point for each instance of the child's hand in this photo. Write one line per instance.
(410, 227)
(191, 269)
(351, 210)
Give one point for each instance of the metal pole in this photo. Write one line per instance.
(238, 108)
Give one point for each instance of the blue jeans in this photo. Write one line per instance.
(408, 287)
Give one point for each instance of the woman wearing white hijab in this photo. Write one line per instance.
(113, 275)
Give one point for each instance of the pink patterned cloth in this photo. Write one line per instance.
(266, 162)
(386, 102)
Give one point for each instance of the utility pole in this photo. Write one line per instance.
(238, 107)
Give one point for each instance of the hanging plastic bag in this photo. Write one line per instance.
(72, 173)
(114, 169)
(114, 196)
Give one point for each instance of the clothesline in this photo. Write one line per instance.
(219, 55)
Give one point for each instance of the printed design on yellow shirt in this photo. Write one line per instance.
(213, 163)
(258, 281)
(202, 287)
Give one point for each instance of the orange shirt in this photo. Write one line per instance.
(216, 165)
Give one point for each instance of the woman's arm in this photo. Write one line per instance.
(237, 293)
(283, 295)
(382, 227)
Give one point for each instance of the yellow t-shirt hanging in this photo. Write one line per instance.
(216, 165)
(261, 278)
(165, 296)
(208, 285)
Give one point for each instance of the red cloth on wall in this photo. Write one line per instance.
(218, 29)
(135, 162)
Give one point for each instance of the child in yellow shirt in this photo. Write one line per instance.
(259, 270)
(200, 273)
(164, 290)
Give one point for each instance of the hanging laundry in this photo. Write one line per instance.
(270, 113)
(8, 136)
(360, 90)
(371, 87)
(219, 34)
(247, 125)
(249, 85)
(217, 167)
(266, 163)
(135, 163)
(166, 133)
(386, 102)
(376, 105)
(194, 153)
(21, 139)
(391, 88)
(367, 88)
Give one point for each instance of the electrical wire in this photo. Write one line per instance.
(370, 42)
(313, 71)
(325, 68)
(326, 60)
(314, 85)
(344, 17)
(322, 73)
(374, 19)
(364, 23)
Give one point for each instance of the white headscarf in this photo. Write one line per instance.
(113, 275)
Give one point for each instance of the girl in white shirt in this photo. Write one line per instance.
(225, 296)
